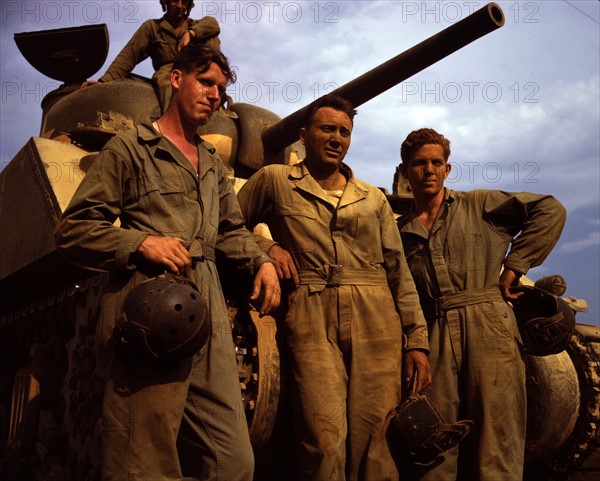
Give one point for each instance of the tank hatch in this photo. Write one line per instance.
(70, 55)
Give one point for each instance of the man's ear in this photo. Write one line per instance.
(176, 75)
(448, 169)
(302, 135)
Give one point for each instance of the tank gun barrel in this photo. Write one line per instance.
(395, 70)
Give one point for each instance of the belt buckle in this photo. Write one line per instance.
(334, 276)
(196, 259)
(438, 311)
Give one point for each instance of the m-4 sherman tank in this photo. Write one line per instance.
(49, 393)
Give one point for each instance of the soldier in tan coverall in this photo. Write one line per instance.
(456, 244)
(176, 208)
(352, 300)
(160, 40)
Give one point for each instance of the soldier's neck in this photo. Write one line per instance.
(427, 209)
(335, 181)
(182, 135)
(327, 176)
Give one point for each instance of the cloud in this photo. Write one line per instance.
(592, 240)
(520, 105)
(547, 146)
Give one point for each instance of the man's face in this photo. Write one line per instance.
(327, 139)
(426, 171)
(198, 94)
(176, 9)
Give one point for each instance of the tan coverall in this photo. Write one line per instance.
(476, 357)
(157, 39)
(156, 415)
(342, 330)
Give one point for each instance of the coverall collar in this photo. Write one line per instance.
(414, 226)
(149, 135)
(164, 24)
(353, 192)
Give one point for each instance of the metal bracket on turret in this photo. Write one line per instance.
(106, 125)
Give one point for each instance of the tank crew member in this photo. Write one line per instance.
(176, 206)
(456, 244)
(161, 39)
(335, 239)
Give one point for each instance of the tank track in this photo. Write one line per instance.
(585, 439)
(50, 432)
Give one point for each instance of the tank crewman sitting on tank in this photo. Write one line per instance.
(160, 40)
(456, 244)
(352, 299)
(176, 208)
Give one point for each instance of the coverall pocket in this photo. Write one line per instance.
(166, 205)
(366, 241)
(161, 51)
(467, 252)
(297, 220)
(500, 323)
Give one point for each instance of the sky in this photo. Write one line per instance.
(521, 106)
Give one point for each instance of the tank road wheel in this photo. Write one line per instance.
(552, 408)
(584, 350)
(261, 368)
(560, 439)
(266, 379)
(259, 371)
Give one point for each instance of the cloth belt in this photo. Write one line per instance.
(334, 275)
(441, 305)
(207, 252)
(465, 298)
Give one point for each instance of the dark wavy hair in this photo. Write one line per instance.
(199, 56)
(334, 101)
(418, 138)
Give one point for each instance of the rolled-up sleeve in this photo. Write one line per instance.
(207, 30)
(537, 223)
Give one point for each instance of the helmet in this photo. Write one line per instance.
(417, 432)
(164, 318)
(545, 321)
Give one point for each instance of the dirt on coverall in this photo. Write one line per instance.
(155, 415)
(157, 39)
(476, 357)
(342, 329)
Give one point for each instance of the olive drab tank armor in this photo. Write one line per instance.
(546, 322)
(164, 318)
(418, 434)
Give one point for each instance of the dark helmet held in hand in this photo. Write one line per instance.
(164, 318)
(418, 434)
(546, 322)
